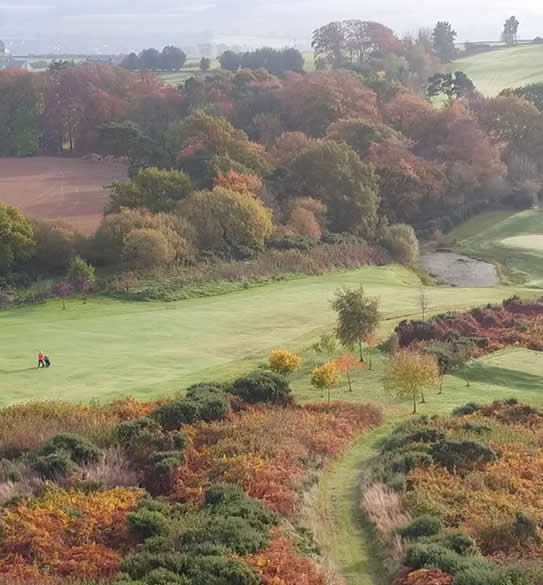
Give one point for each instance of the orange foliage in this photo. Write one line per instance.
(66, 533)
(427, 577)
(239, 182)
(280, 564)
(266, 450)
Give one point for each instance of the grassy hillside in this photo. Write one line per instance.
(496, 70)
(495, 237)
(105, 349)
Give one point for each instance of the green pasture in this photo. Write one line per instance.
(104, 348)
(503, 68)
(191, 69)
(511, 240)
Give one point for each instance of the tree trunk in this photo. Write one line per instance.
(349, 380)
(360, 350)
(328, 395)
(441, 384)
(370, 352)
(414, 403)
(63, 305)
(467, 379)
(422, 399)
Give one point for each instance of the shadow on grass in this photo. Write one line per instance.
(7, 372)
(496, 376)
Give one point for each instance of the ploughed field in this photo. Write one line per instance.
(67, 189)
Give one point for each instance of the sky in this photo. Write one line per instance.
(132, 24)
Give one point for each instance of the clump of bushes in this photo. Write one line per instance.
(203, 402)
(196, 546)
(62, 455)
(259, 387)
(402, 243)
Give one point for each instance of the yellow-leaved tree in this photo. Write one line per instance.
(410, 373)
(225, 219)
(325, 377)
(284, 362)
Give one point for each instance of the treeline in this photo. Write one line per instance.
(274, 61)
(170, 59)
(233, 161)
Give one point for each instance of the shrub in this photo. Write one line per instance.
(468, 408)
(401, 241)
(211, 401)
(284, 362)
(55, 246)
(147, 248)
(81, 272)
(54, 465)
(130, 431)
(262, 387)
(462, 455)
(421, 526)
(166, 461)
(327, 344)
(174, 414)
(460, 543)
(79, 449)
(303, 243)
(145, 523)
(325, 376)
(391, 345)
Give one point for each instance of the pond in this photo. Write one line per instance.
(457, 270)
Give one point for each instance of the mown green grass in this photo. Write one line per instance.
(191, 69)
(106, 348)
(503, 68)
(483, 237)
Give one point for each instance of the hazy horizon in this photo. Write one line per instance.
(132, 25)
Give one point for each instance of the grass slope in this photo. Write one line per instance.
(105, 349)
(487, 237)
(503, 68)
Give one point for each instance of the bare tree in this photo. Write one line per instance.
(424, 301)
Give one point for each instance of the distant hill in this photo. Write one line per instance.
(508, 67)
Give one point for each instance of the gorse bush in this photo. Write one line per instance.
(421, 526)
(284, 362)
(262, 387)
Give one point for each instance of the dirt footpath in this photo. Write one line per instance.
(67, 189)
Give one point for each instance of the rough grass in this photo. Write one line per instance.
(483, 237)
(533, 243)
(105, 349)
(503, 68)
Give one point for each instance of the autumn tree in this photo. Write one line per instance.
(310, 103)
(125, 139)
(532, 92)
(239, 182)
(17, 242)
(348, 187)
(409, 374)
(149, 59)
(152, 188)
(210, 141)
(510, 31)
(288, 146)
(147, 248)
(325, 377)
(205, 64)
(443, 38)
(226, 220)
(359, 134)
(110, 238)
(284, 362)
(307, 217)
(357, 317)
(346, 364)
(401, 241)
(81, 274)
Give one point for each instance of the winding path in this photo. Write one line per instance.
(334, 514)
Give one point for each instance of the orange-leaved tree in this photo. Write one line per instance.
(409, 373)
(346, 363)
(325, 376)
(284, 362)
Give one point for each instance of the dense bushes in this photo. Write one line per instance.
(470, 488)
(401, 241)
(262, 387)
(203, 402)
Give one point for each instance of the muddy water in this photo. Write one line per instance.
(457, 270)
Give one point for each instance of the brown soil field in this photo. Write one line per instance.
(67, 189)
